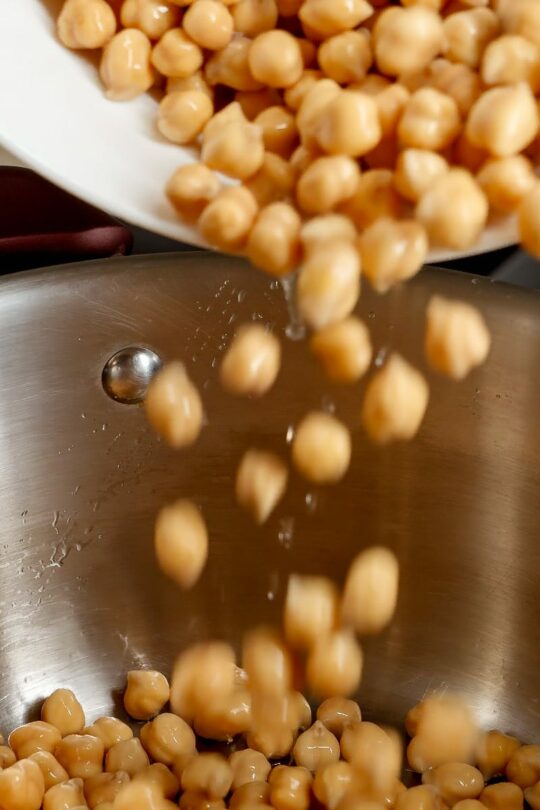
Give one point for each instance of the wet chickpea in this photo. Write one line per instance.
(293, 96)
(310, 611)
(457, 339)
(405, 40)
(316, 747)
(176, 55)
(141, 795)
(173, 406)
(416, 171)
(232, 716)
(250, 793)
(375, 754)
(507, 796)
(230, 66)
(421, 797)
(32, 737)
(301, 715)
(375, 198)
(321, 450)
(279, 131)
(332, 783)
(455, 781)
(453, 210)
(445, 731)
(468, 33)
(228, 219)
(194, 800)
(334, 665)
(322, 230)
(203, 675)
(261, 482)
(255, 102)
(326, 183)
(274, 242)
(430, 120)
(346, 57)
(349, 125)
(523, 768)
(253, 17)
(125, 67)
(209, 23)
(520, 17)
(510, 59)
(391, 103)
(147, 692)
(86, 24)
(191, 188)
(274, 182)
(248, 766)
(153, 17)
(181, 543)
(236, 149)
(290, 788)
(274, 740)
(65, 795)
(504, 120)
(252, 362)
(7, 756)
(371, 590)
(329, 285)
(392, 251)
(162, 777)
(323, 19)
(104, 787)
(395, 402)
(21, 786)
(529, 221)
(53, 773)
(183, 115)
(110, 731)
(208, 773)
(168, 739)
(81, 755)
(128, 756)
(267, 662)
(312, 110)
(194, 82)
(275, 722)
(337, 713)
(494, 752)
(275, 59)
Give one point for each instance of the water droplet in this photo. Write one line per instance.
(371, 315)
(270, 596)
(286, 532)
(474, 281)
(104, 426)
(381, 357)
(290, 434)
(312, 501)
(295, 329)
(83, 415)
(241, 296)
(327, 404)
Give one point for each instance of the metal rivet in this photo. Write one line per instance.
(127, 374)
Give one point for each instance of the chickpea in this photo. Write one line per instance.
(337, 713)
(237, 150)
(227, 719)
(227, 220)
(63, 710)
(523, 767)
(159, 775)
(81, 755)
(125, 67)
(391, 103)
(231, 113)
(430, 120)
(146, 693)
(529, 221)
(279, 131)
(203, 675)
(141, 795)
(395, 402)
(176, 55)
(191, 188)
(275, 740)
(405, 40)
(375, 754)
(261, 482)
(494, 752)
(253, 17)
(230, 66)
(300, 711)
(310, 610)
(453, 210)
(511, 59)
(86, 24)
(65, 795)
(326, 183)
(332, 783)
(290, 788)
(275, 721)
(445, 732)
(173, 406)
(312, 109)
(53, 773)
(194, 82)
(181, 546)
(104, 787)
(32, 737)
(293, 96)
(208, 773)
(153, 17)
(460, 83)
(316, 747)
(128, 756)
(346, 57)
(248, 766)
(349, 125)
(457, 339)
(252, 361)
(168, 739)
(267, 662)
(324, 19)
(322, 230)
(275, 59)
(209, 23)
(504, 120)
(468, 33)
(416, 171)
(193, 800)
(183, 115)
(274, 242)
(329, 286)
(334, 665)
(21, 786)
(274, 182)
(8, 758)
(371, 590)
(375, 197)
(421, 797)
(110, 730)
(392, 251)
(520, 17)
(321, 449)
(251, 793)
(507, 796)
(455, 781)
(289, 8)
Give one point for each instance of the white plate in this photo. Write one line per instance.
(55, 118)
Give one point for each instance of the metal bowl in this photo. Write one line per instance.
(82, 477)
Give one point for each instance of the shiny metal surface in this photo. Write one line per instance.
(81, 599)
(128, 373)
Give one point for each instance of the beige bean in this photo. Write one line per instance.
(85, 24)
(104, 787)
(230, 66)
(261, 481)
(430, 120)
(375, 198)
(326, 183)
(337, 713)
(253, 17)
(125, 67)
(290, 788)
(510, 59)
(421, 797)
(329, 284)
(7, 756)
(250, 794)
(523, 768)
(209, 23)
(279, 131)
(323, 19)
(21, 786)
(468, 33)
(251, 363)
(224, 721)
(507, 796)
(32, 737)
(168, 739)
(275, 59)
(181, 543)
(162, 777)
(183, 115)
(191, 188)
(316, 747)
(273, 244)
(405, 40)
(457, 338)
(494, 752)
(204, 674)
(227, 219)
(321, 449)
(147, 691)
(81, 755)
(504, 120)
(310, 610)
(446, 731)
(455, 781)
(322, 230)
(346, 57)
(416, 171)
(375, 754)
(520, 17)
(53, 773)
(65, 795)
(176, 55)
(334, 665)
(453, 210)
(332, 783)
(274, 182)
(153, 17)
(110, 730)
(392, 251)
(349, 125)
(267, 661)
(236, 149)
(208, 773)
(371, 590)
(294, 95)
(248, 766)
(173, 406)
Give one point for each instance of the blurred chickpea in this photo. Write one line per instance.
(430, 120)
(250, 794)
(322, 230)
(350, 125)
(494, 751)
(324, 19)
(507, 796)
(191, 188)
(173, 406)
(332, 783)
(125, 67)
(523, 768)
(390, 103)
(7, 756)
(294, 95)
(162, 777)
(279, 131)
(275, 59)
(504, 120)
(104, 787)
(520, 17)
(274, 182)
(329, 284)
(183, 115)
(375, 754)
(146, 693)
(346, 57)
(86, 23)
(227, 220)
(261, 482)
(337, 713)
(460, 83)
(141, 795)
(313, 108)
(194, 800)
(248, 766)
(371, 590)
(209, 23)
(510, 59)
(405, 40)
(395, 402)
(455, 781)
(208, 773)
(230, 66)
(326, 183)
(203, 675)
(310, 610)
(168, 739)
(253, 17)
(446, 731)
(457, 339)
(236, 150)
(153, 17)
(375, 198)
(251, 364)
(392, 251)
(334, 665)
(315, 748)
(275, 741)
(255, 102)
(453, 210)
(300, 710)
(176, 55)
(416, 171)
(274, 242)
(290, 788)
(81, 755)
(225, 720)
(321, 449)
(421, 797)
(65, 795)
(267, 662)
(468, 33)
(529, 221)
(32, 737)
(110, 730)
(181, 546)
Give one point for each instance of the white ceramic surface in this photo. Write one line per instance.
(55, 118)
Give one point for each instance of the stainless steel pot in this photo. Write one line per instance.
(82, 476)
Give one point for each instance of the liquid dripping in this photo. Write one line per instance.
(295, 329)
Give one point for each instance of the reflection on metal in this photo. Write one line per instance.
(128, 373)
